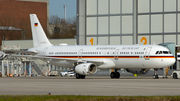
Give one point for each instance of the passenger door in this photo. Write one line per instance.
(147, 53)
(80, 53)
(116, 54)
(44, 51)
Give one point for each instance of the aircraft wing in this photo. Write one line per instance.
(95, 61)
(18, 51)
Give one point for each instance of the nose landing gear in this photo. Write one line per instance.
(155, 76)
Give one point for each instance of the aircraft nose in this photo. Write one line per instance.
(171, 61)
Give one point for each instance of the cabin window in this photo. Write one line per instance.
(50, 52)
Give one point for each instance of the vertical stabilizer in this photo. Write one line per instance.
(39, 36)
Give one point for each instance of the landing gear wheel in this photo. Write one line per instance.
(175, 76)
(78, 76)
(112, 75)
(155, 77)
(117, 75)
(83, 76)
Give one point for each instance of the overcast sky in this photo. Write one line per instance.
(56, 8)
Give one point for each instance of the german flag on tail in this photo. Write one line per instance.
(35, 24)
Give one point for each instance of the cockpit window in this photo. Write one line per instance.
(165, 52)
(157, 52)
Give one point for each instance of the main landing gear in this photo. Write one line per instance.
(155, 76)
(78, 76)
(115, 74)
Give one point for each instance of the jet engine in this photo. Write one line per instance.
(86, 69)
(137, 71)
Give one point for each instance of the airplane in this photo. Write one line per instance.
(87, 59)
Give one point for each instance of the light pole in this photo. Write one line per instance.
(65, 12)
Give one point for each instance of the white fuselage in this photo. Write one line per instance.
(113, 56)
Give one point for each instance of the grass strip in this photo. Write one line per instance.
(86, 98)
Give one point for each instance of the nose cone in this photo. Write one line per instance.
(171, 61)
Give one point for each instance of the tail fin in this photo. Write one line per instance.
(39, 36)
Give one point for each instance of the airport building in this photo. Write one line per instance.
(14, 14)
(15, 28)
(128, 22)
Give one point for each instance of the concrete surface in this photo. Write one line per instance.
(92, 85)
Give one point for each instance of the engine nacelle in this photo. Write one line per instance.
(86, 69)
(137, 71)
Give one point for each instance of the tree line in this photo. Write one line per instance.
(59, 28)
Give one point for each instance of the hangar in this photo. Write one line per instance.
(128, 22)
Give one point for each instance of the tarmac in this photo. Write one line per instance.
(91, 85)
